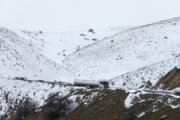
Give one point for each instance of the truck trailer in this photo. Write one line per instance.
(92, 83)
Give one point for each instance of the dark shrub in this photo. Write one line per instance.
(82, 34)
(94, 39)
(24, 110)
(40, 32)
(56, 107)
(20, 78)
(90, 30)
(132, 114)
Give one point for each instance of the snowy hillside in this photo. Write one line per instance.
(129, 51)
(57, 45)
(146, 75)
(130, 58)
(38, 56)
(20, 58)
(13, 91)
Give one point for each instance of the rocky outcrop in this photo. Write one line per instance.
(170, 81)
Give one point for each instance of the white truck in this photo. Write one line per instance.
(92, 83)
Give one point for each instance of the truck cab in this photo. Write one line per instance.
(104, 84)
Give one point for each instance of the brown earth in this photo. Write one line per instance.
(109, 105)
(170, 81)
(156, 107)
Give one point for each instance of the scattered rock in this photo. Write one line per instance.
(40, 32)
(83, 34)
(90, 30)
(94, 39)
(86, 39)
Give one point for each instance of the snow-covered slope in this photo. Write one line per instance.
(21, 58)
(12, 92)
(147, 74)
(38, 55)
(128, 51)
(57, 45)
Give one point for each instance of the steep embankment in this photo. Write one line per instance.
(129, 51)
(170, 81)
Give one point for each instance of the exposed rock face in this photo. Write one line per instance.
(170, 81)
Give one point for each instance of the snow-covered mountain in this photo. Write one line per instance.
(128, 57)
(154, 47)
(39, 56)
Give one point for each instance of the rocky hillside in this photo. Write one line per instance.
(170, 81)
